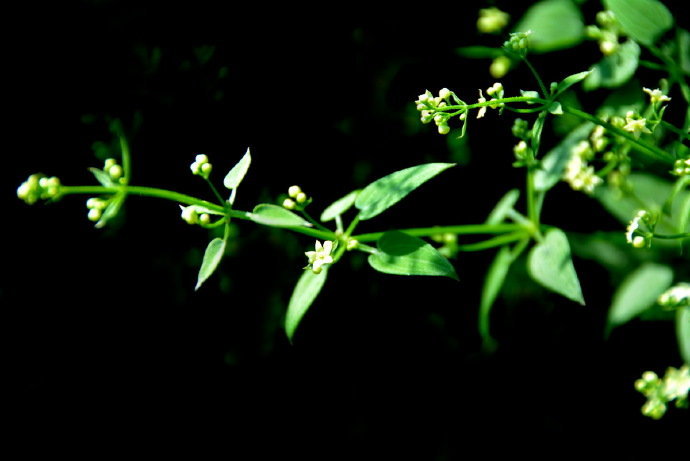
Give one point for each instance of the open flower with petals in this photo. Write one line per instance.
(635, 124)
(320, 257)
(656, 96)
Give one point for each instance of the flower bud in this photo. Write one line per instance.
(289, 204)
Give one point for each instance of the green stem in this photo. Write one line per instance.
(126, 157)
(684, 235)
(458, 230)
(316, 224)
(493, 242)
(216, 193)
(544, 91)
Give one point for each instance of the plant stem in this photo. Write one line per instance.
(458, 230)
(493, 242)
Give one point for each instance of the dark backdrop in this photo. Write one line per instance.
(109, 346)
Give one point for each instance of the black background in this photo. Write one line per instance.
(108, 345)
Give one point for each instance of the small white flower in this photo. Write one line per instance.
(320, 257)
(444, 93)
(632, 227)
(635, 124)
(656, 96)
(482, 110)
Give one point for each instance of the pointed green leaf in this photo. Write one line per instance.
(113, 208)
(403, 254)
(683, 332)
(102, 177)
(614, 70)
(503, 207)
(276, 216)
(571, 80)
(555, 24)
(306, 290)
(492, 286)
(642, 20)
(236, 175)
(555, 108)
(339, 207)
(551, 265)
(212, 257)
(554, 162)
(389, 190)
(638, 292)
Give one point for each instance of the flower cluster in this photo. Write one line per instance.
(37, 187)
(430, 108)
(321, 257)
(606, 33)
(113, 169)
(495, 91)
(578, 173)
(637, 241)
(675, 297)
(194, 214)
(659, 392)
(201, 166)
(681, 167)
(492, 20)
(96, 206)
(518, 42)
(297, 199)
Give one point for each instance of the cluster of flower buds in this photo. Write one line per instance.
(675, 297)
(201, 166)
(494, 91)
(681, 167)
(492, 20)
(449, 242)
(113, 169)
(296, 199)
(195, 215)
(606, 33)
(431, 107)
(37, 187)
(518, 42)
(639, 241)
(578, 173)
(96, 206)
(675, 385)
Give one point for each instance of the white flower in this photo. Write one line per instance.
(635, 124)
(656, 96)
(678, 295)
(201, 166)
(482, 110)
(632, 227)
(320, 257)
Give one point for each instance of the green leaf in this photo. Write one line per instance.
(403, 254)
(276, 216)
(638, 292)
(212, 257)
(479, 52)
(651, 193)
(339, 207)
(684, 50)
(492, 286)
(554, 162)
(308, 287)
(641, 20)
(236, 174)
(113, 208)
(614, 70)
(389, 190)
(555, 24)
(683, 332)
(550, 264)
(571, 80)
(503, 207)
(102, 177)
(555, 108)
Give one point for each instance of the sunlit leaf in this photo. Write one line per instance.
(276, 216)
(641, 20)
(339, 207)
(551, 265)
(638, 292)
(113, 208)
(389, 190)
(503, 207)
(102, 177)
(212, 257)
(308, 287)
(555, 24)
(492, 286)
(236, 174)
(402, 254)
(616, 69)
(571, 80)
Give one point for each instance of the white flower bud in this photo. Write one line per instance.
(289, 204)
(204, 219)
(115, 171)
(301, 197)
(293, 191)
(444, 93)
(94, 214)
(201, 158)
